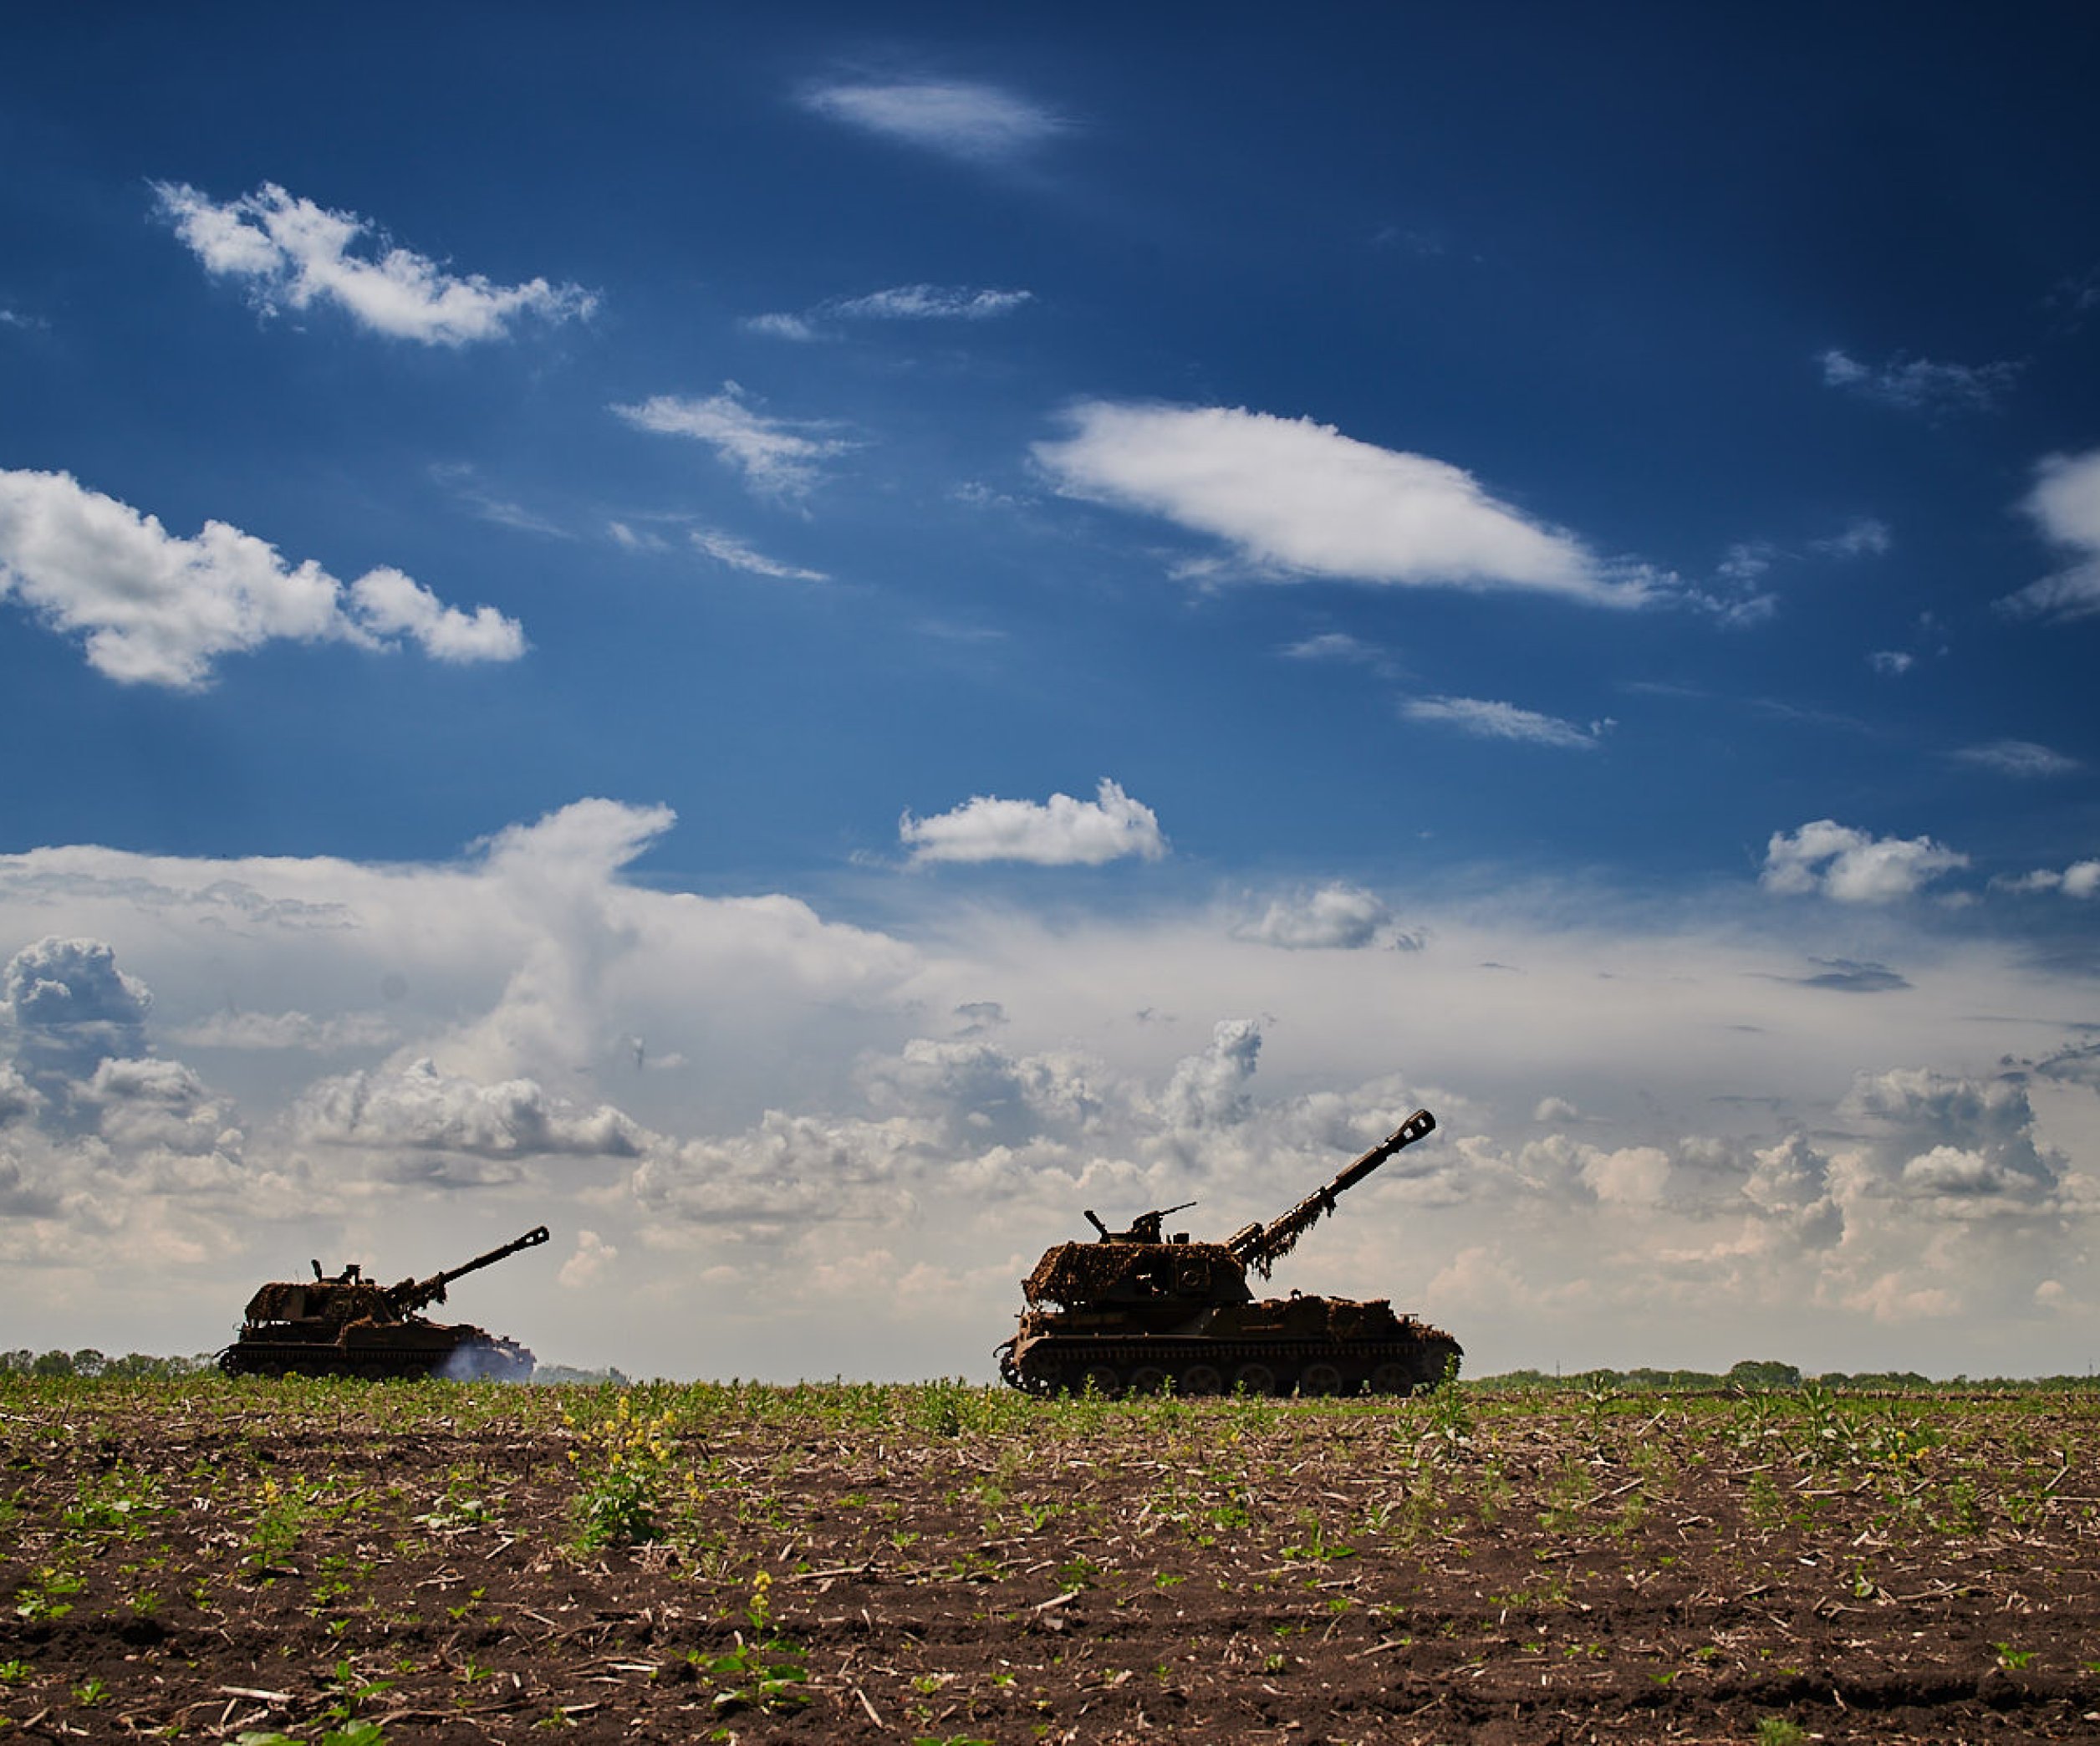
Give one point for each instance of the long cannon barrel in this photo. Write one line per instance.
(1260, 1246)
(413, 1294)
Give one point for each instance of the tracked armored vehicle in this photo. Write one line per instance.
(344, 1325)
(1137, 1312)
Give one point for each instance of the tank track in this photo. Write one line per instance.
(471, 1361)
(1196, 1365)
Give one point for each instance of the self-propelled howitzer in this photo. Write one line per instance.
(1137, 1311)
(344, 1325)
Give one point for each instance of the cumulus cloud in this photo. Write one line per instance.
(777, 457)
(71, 1008)
(1851, 866)
(421, 1109)
(788, 1175)
(959, 118)
(592, 1259)
(153, 609)
(2065, 505)
(1061, 832)
(293, 254)
(1919, 385)
(2017, 758)
(981, 1096)
(1946, 1137)
(1297, 499)
(1212, 1089)
(726, 548)
(1329, 918)
(1891, 660)
(1484, 719)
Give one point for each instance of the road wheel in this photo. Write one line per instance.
(1320, 1378)
(1148, 1379)
(1101, 1379)
(1202, 1379)
(1391, 1379)
(1254, 1379)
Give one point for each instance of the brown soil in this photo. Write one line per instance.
(939, 1563)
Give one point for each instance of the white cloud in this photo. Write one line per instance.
(1213, 1089)
(728, 548)
(1851, 866)
(897, 303)
(958, 118)
(1918, 385)
(2017, 757)
(781, 325)
(778, 457)
(295, 254)
(1485, 719)
(633, 540)
(1864, 537)
(71, 1008)
(421, 1109)
(1945, 1137)
(1342, 649)
(155, 610)
(1298, 498)
(387, 604)
(930, 302)
(788, 1174)
(1059, 833)
(1891, 660)
(1331, 917)
(591, 1262)
(2081, 879)
(2065, 505)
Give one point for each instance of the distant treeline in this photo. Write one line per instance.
(1765, 1375)
(89, 1362)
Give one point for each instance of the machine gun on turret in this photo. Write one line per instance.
(1146, 1228)
(1262, 1246)
(412, 1296)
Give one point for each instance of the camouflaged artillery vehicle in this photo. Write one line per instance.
(344, 1325)
(1137, 1311)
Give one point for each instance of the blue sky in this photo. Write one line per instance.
(798, 647)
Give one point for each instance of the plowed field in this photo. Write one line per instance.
(207, 1559)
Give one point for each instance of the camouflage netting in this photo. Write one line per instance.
(320, 1300)
(1084, 1273)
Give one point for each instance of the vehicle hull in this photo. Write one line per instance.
(1410, 1358)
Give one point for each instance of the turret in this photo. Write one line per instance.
(1262, 1246)
(412, 1296)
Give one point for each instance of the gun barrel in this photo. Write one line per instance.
(432, 1290)
(1262, 1244)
